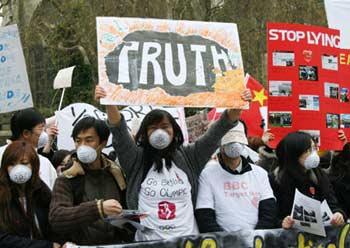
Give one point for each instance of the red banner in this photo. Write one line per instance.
(308, 89)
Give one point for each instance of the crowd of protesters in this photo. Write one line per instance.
(50, 197)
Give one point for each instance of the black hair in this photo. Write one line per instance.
(25, 119)
(341, 163)
(58, 157)
(288, 152)
(100, 126)
(151, 154)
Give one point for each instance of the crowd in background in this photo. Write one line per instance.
(49, 197)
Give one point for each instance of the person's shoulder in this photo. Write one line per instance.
(258, 170)
(44, 159)
(211, 167)
(2, 149)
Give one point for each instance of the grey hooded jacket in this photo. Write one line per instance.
(190, 158)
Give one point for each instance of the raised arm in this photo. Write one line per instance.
(114, 116)
(122, 142)
(202, 150)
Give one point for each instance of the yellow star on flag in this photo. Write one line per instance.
(259, 96)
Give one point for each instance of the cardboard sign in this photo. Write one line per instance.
(70, 115)
(14, 84)
(63, 78)
(255, 117)
(169, 63)
(307, 91)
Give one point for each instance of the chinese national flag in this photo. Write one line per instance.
(253, 116)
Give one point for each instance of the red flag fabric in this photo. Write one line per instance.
(252, 117)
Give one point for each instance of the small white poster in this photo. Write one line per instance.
(306, 213)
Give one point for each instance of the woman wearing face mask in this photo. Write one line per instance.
(24, 199)
(298, 169)
(161, 173)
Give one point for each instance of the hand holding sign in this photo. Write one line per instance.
(337, 219)
(287, 222)
(111, 207)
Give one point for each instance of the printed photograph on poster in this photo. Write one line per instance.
(331, 90)
(315, 134)
(280, 118)
(344, 95)
(332, 121)
(301, 213)
(344, 120)
(329, 62)
(309, 102)
(308, 73)
(280, 88)
(283, 58)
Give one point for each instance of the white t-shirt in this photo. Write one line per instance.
(47, 172)
(166, 196)
(235, 198)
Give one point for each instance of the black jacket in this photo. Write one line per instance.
(316, 185)
(341, 186)
(267, 216)
(20, 236)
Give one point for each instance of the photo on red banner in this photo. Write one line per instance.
(307, 88)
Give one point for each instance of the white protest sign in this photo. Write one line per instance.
(338, 18)
(306, 213)
(14, 84)
(70, 115)
(63, 78)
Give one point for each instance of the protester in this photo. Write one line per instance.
(267, 158)
(60, 160)
(340, 178)
(46, 141)
(234, 194)
(162, 174)
(24, 200)
(298, 169)
(28, 125)
(92, 188)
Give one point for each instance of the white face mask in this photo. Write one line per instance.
(20, 174)
(86, 154)
(43, 139)
(159, 139)
(233, 150)
(311, 161)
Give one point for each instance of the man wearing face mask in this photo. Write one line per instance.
(28, 125)
(90, 190)
(234, 193)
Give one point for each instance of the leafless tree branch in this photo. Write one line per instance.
(80, 48)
